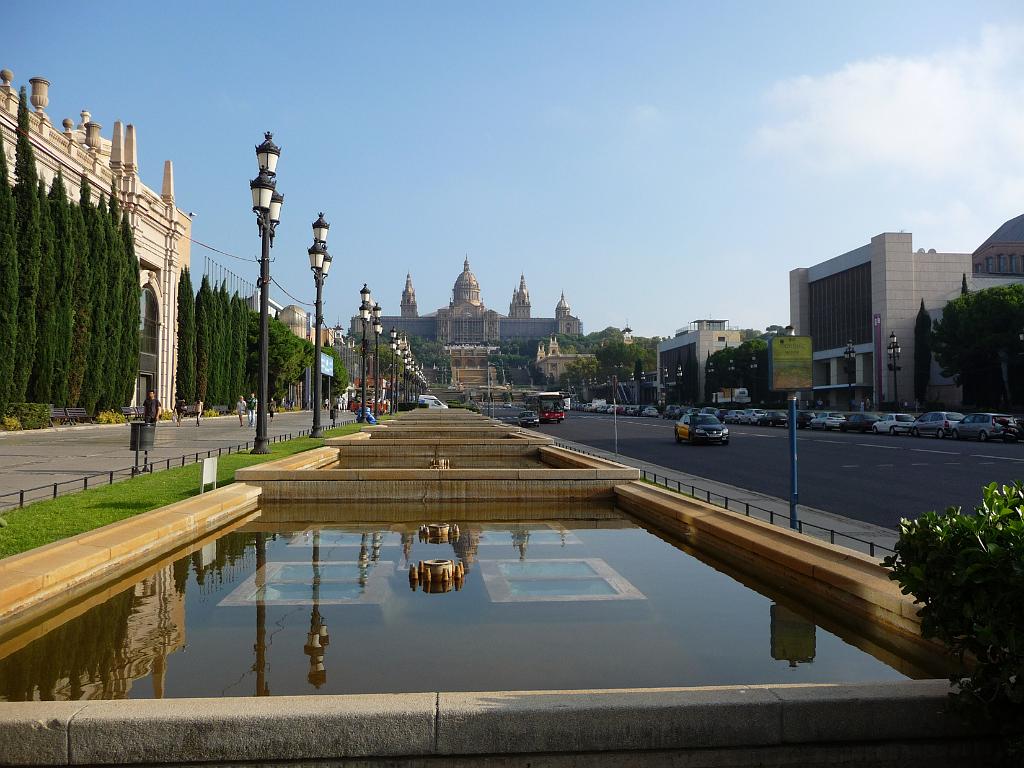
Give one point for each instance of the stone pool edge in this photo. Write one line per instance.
(789, 722)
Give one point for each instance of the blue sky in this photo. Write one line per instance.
(658, 162)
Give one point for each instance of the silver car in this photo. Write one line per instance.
(893, 424)
(935, 424)
(984, 426)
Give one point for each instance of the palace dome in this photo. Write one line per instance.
(467, 288)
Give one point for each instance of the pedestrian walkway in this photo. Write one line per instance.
(819, 523)
(35, 458)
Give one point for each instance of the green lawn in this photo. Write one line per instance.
(46, 521)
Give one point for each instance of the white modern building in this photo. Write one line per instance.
(700, 339)
(865, 295)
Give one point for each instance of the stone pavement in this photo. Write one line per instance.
(739, 497)
(43, 457)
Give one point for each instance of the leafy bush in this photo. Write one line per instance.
(967, 571)
(110, 417)
(30, 415)
(209, 413)
(11, 424)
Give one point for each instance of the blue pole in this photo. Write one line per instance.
(794, 494)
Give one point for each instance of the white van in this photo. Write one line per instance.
(429, 401)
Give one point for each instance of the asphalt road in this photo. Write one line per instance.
(873, 478)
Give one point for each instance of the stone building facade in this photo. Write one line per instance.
(161, 230)
(466, 320)
(552, 362)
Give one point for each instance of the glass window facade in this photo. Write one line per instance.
(840, 308)
(149, 331)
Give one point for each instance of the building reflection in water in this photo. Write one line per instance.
(793, 636)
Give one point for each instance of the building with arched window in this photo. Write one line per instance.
(160, 229)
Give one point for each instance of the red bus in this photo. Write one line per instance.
(550, 406)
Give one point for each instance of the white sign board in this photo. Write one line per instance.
(207, 473)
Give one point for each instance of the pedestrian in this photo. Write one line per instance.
(253, 404)
(240, 409)
(271, 407)
(151, 408)
(199, 411)
(179, 410)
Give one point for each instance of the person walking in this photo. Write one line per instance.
(271, 407)
(151, 408)
(199, 411)
(179, 410)
(253, 402)
(240, 409)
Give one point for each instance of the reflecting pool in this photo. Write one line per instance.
(297, 607)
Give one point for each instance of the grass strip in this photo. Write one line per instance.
(43, 522)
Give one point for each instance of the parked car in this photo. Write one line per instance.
(743, 416)
(893, 424)
(701, 428)
(859, 422)
(987, 426)
(671, 412)
(528, 419)
(827, 420)
(732, 416)
(720, 413)
(773, 419)
(804, 418)
(650, 411)
(710, 409)
(754, 415)
(935, 424)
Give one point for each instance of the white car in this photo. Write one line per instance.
(429, 401)
(650, 410)
(753, 415)
(893, 424)
(828, 420)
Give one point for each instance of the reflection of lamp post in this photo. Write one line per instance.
(317, 638)
(260, 666)
(851, 368)
(894, 356)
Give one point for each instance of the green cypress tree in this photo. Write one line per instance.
(129, 349)
(112, 383)
(26, 198)
(239, 341)
(81, 292)
(203, 319)
(8, 283)
(922, 353)
(40, 388)
(215, 336)
(186, 369)
(223, 345)
(65, 268)
(94, 386)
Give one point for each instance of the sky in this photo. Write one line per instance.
(658, 161)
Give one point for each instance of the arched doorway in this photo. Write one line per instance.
(149, 344)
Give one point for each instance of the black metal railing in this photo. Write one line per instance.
(752, 510)
(23, 496)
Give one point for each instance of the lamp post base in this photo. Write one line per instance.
(316, 432)
(261, 446)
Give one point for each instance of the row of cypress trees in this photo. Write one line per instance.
(69, 291)
(213, 342)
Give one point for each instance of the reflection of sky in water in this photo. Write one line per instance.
(552, 587)
(538, 569)
(696, 626)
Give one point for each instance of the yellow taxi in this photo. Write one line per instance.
(701, 428)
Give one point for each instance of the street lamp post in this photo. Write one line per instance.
(393, 400)
(709, 373)
(851, 368)
(894, 356)
(266, 204)
(365, 310)
(753, 380)
(320, 263)
(679, 382)
(377, 329)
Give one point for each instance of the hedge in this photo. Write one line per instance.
(30, 415)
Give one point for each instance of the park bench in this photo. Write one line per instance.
(77, 415)
(57, 415)
(222, 410)
(132, 412)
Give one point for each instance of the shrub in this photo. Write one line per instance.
(967, 571)
(167, 415)
(110, 417)
(11, 424)
(209, 413)
(30, 415)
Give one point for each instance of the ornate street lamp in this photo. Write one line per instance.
(266, 204)
(320, 263)
(894, 356)
(851, 368)
(753, 380)
(377, 330)
(365, 311)
(393, 399)
(679, 382)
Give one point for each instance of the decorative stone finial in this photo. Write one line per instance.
(5, 79)
(40, 93)
(167, 190)
(69, 126)
(92, 135)
(86, 117)
(131, 157)
(116, 145)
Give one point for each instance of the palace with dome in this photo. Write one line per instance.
(467, 321)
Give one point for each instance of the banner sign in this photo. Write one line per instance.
(326, 365)
(789, 363)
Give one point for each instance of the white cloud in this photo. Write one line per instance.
(957, 113)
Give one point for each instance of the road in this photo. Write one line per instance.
(872, 478)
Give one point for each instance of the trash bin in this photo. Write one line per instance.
(143, 435)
